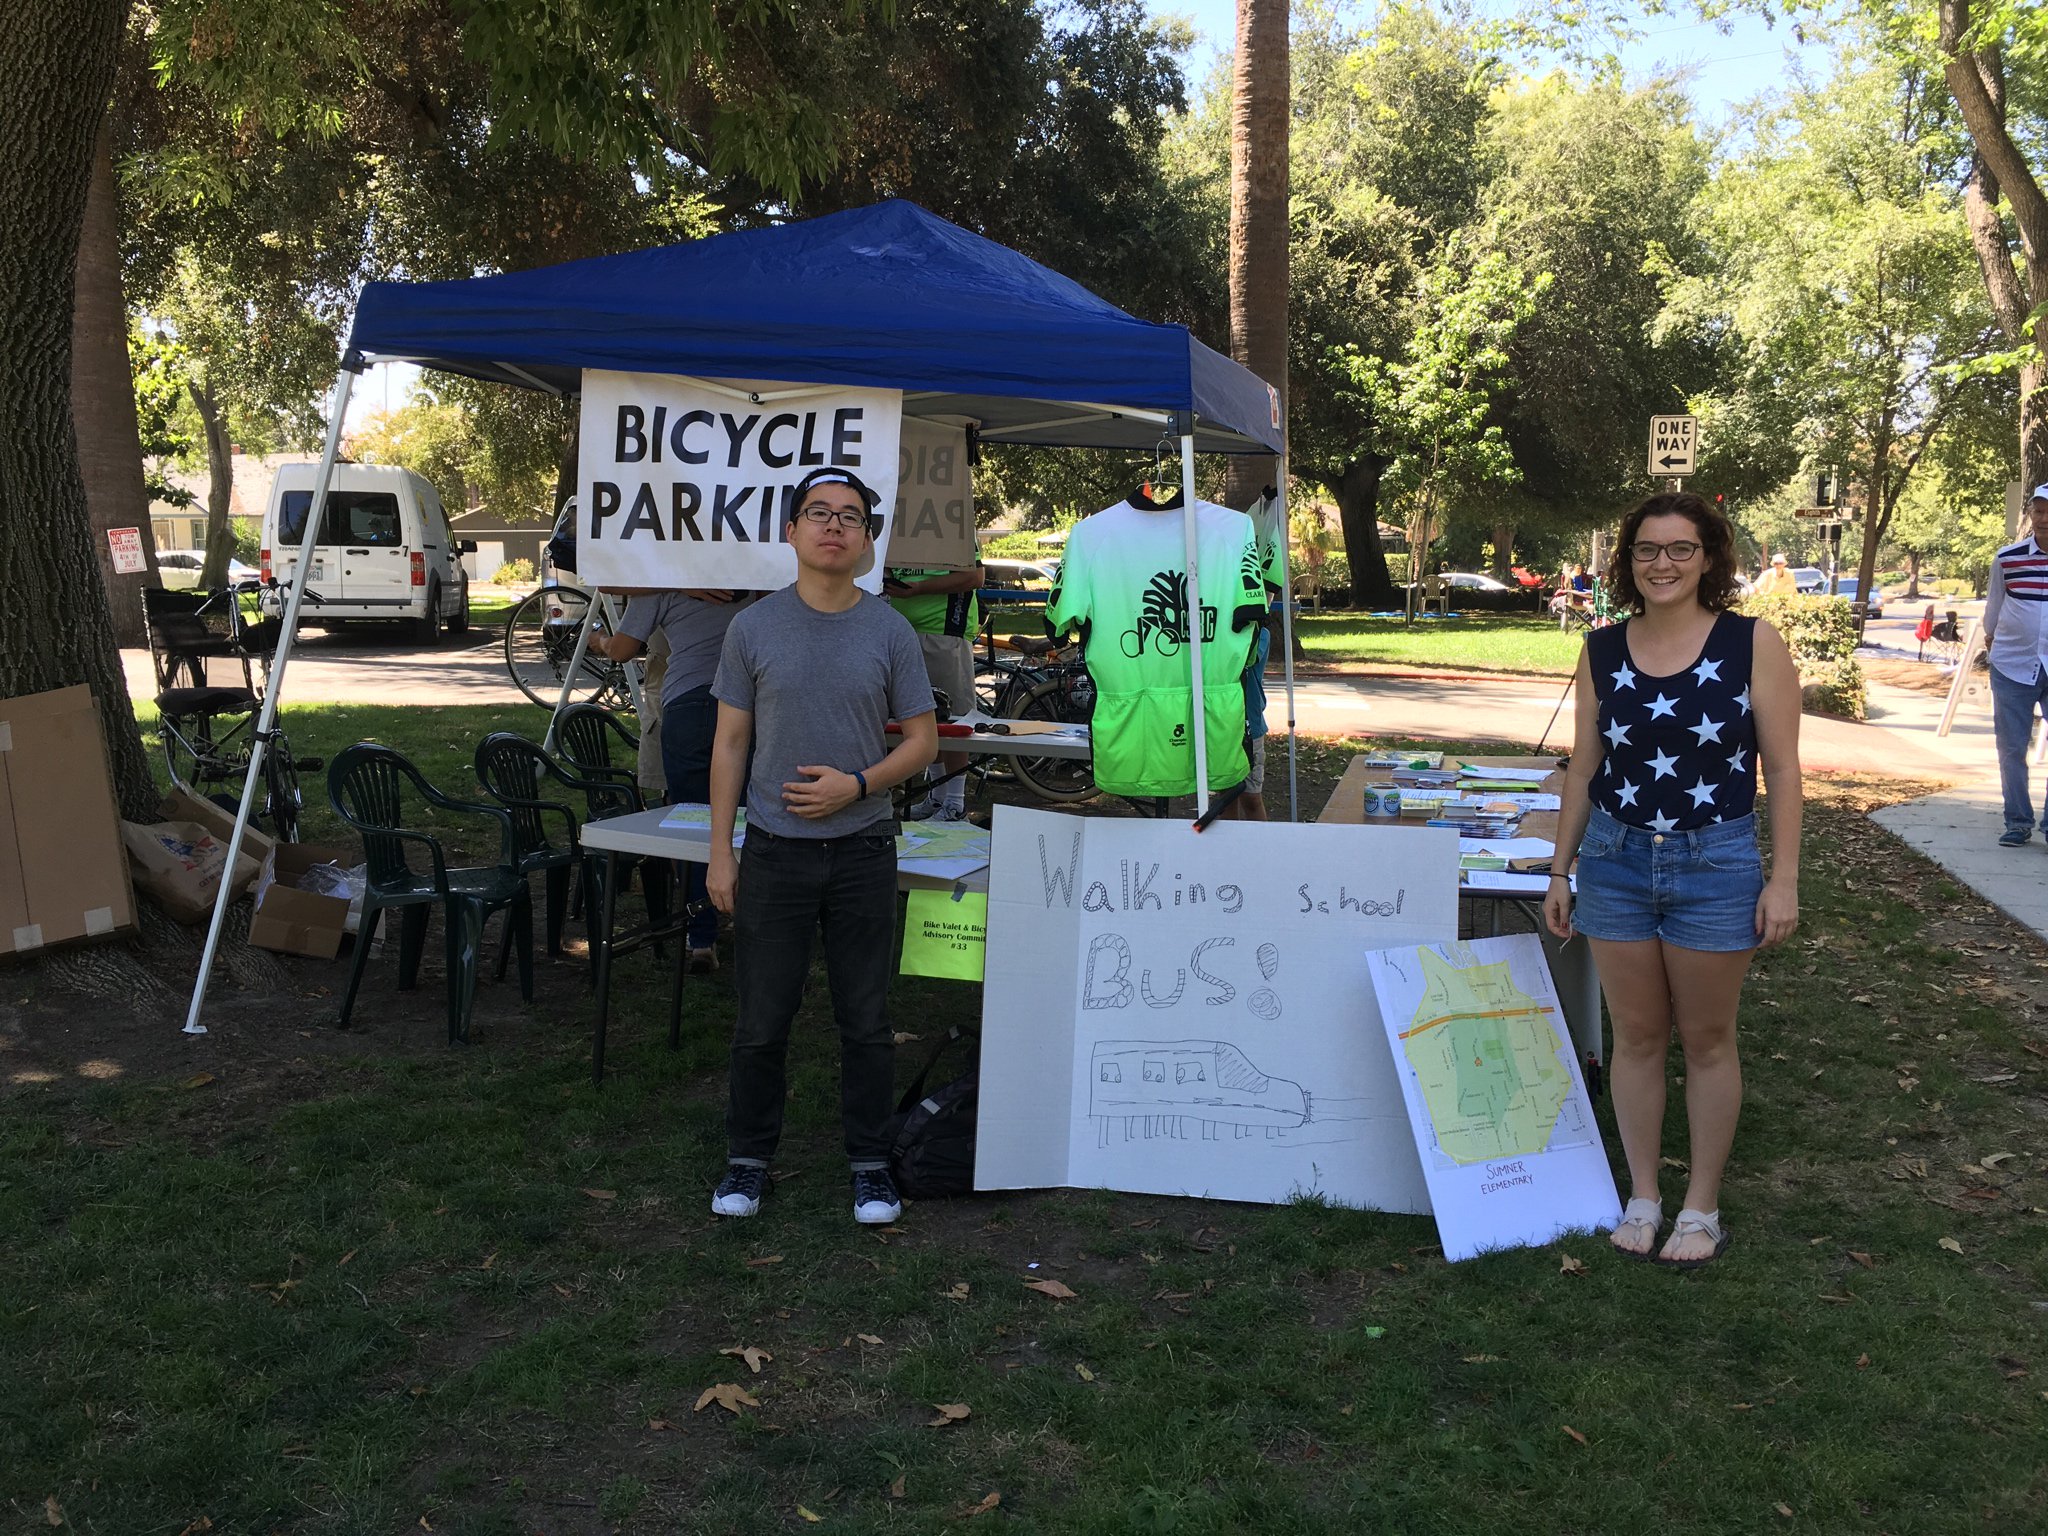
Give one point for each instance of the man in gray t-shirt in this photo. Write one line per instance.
(809, 678)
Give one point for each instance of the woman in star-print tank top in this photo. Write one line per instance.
(1677, 708)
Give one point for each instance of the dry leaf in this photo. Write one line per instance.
(1571, 1266)
(982, 1508)
(1083, 1372)
(754, 1356)
(1863, 1258)
(906, 1039)
(564, 1291)
(489, 1260)
(729, 1395)
(196, 1080)
(658, 1425)
(805, 1514)
(958, 1292)
(1056, 1289)
(602, 1194)
(1480, 1359)
(765, 1261)
(867, 1338)
(1863, 1362)
(1574, 1434)
(337, 1264)
(949, 1413)
(53, 1511)
(197, 1527)
(1783, 1509)
(423, 1524)
(1676, 1162)
(1995, 1158)
(1950, 1244)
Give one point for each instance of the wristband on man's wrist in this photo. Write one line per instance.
(862, 780)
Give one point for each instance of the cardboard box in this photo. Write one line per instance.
(183, 805)
(63, 871)
(179, 863)
(292, 921)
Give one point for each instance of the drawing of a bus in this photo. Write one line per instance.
(1155, 1087)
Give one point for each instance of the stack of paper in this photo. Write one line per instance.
(685, 817)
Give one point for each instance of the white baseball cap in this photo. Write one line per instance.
(1777, 559)
(2041, 492)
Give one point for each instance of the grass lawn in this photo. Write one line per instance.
(366, 1284)
(1480, 642)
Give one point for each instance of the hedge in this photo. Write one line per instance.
(1822, 636)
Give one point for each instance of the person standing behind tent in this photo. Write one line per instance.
(941, 607)
(694, 622)
(1677, 706)
(809, 680)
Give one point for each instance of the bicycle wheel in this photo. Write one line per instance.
(282, 802)
(540, 640)
(1062, 779)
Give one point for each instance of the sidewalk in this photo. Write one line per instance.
(1958, 826)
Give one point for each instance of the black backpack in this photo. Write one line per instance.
(931, 1151)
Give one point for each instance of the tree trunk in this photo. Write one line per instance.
(55, 625)
(1357, 491)
(1258, 219)
(1976, 81)
(220, 487)
(1912, 577)
(103, 397)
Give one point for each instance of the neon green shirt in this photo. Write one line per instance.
(1123, 580)
(937, 613)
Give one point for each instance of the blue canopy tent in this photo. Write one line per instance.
(888, 297)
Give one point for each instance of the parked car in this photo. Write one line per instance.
(1472, 581)
(181, 567)
(1810, 579)
(1030, 575)
(1846, 587)
(383, 551)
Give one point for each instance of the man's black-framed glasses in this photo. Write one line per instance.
(1643, 551)
(824, 516)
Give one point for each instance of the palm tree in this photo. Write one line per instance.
(1258, 217)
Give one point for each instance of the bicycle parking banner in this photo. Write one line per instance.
(933, 527)
(686, 482)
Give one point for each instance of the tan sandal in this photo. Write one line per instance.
(1692, 1223)
(1640, 1212)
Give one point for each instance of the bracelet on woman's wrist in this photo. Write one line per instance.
(862, 780)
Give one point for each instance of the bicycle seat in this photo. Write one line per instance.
(1030, 647)
(179, 702)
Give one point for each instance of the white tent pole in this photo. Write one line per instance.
(1194, 642)
(273, 688)
(1287, 635)
(575, 665)
(635, 670)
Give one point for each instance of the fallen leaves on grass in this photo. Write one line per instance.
(729, 1395)
(53, 1511)
(1863, 1258)
(489, 1259)
(1575, 1434)
(1571, 1266)
(1950, 1244)
(868, 1338)
(1083, 1372)
(658, 1425)
(949, 1413)
(337, 1264)
(969, 1511)
(764, 1261)
(896, 1489)
(755, 1356)
(1480, 1359)
(1863, 1362)
(602, 1194)
(1784, 1510)
(958, 1292)
(1056, 1289)
(197, 1527)
(197, 1080)
(805, 1514)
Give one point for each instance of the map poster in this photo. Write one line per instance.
(1184, 1013)
(1501, 1117)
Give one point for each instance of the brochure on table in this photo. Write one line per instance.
(1191, 1014)
(1497, 1105)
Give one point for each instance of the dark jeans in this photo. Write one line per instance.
(789, 888)
(687, 727)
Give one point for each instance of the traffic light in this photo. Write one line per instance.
(1823, 490)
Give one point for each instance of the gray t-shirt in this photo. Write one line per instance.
(696, 635)
(820, 687)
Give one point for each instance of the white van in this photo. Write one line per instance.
(384, 549)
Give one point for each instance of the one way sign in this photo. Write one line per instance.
(1674, 445)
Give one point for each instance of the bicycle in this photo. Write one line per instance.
(1040, 685)
(540, 642)
(201, 748)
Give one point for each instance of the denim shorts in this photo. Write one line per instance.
(1695, 889)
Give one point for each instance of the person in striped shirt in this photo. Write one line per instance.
(2016, 640)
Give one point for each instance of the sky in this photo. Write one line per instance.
(1723, 69)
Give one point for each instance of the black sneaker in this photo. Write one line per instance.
(875, 1201)
(739, 1192)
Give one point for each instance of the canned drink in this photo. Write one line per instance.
(1390, 802)
(1372, 800)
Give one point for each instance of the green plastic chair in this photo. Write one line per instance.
(513, 772)
(372, 788)
(585, 734)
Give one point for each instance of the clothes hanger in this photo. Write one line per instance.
(1161, 491)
